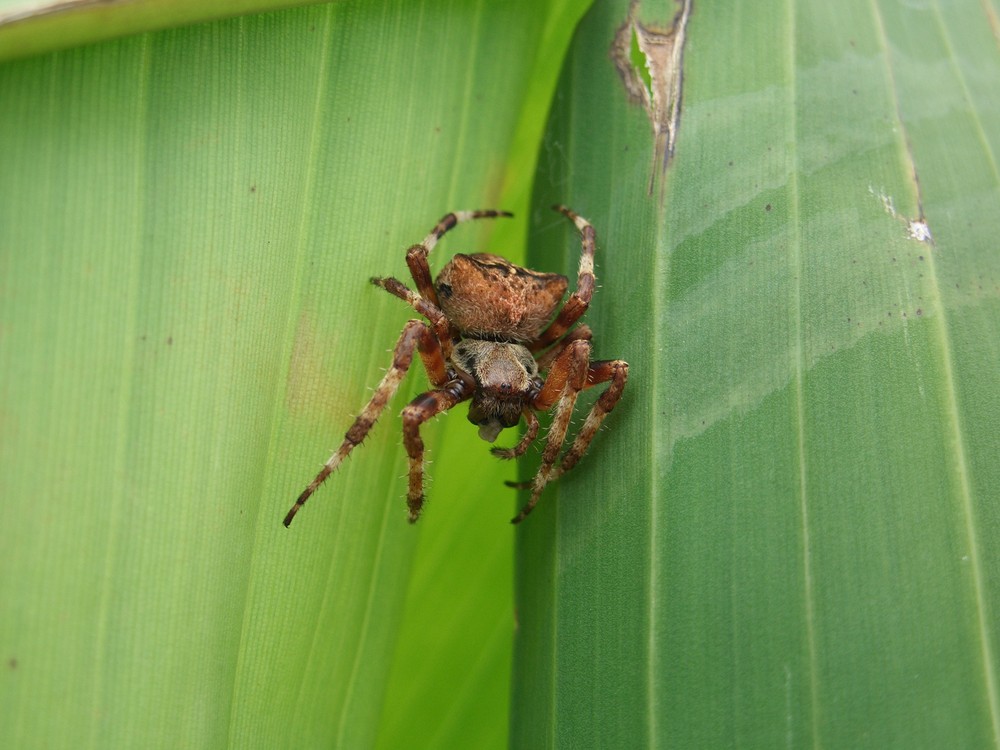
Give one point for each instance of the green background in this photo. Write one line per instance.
(783, 536)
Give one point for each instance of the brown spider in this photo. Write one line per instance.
(494, 338)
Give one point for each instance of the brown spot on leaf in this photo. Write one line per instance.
(649, 59)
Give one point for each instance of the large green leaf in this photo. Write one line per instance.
(188, 222)
(784, 537)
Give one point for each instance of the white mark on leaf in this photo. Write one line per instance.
(916, 229)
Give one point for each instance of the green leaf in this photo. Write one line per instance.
(784, 535)
(188, 223)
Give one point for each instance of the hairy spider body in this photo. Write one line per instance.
(497, 337)
(520, 301)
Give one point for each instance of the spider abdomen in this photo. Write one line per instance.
(487, 296)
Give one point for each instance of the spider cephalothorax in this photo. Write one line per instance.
(497, 338)
(506, 378)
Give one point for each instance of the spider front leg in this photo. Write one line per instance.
(581, 332)
(566, 378)
(415, 335)
(421, 409)
(613, 371)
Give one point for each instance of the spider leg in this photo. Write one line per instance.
(581, 332)
(566, 378)
(430, 310)
(614, 371)
(416, 256)
(579, 300)
(415, 335)
(418, 411)
(529, 437)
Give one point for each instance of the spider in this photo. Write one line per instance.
(493, 338)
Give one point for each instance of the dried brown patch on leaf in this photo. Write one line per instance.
(649, 59)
